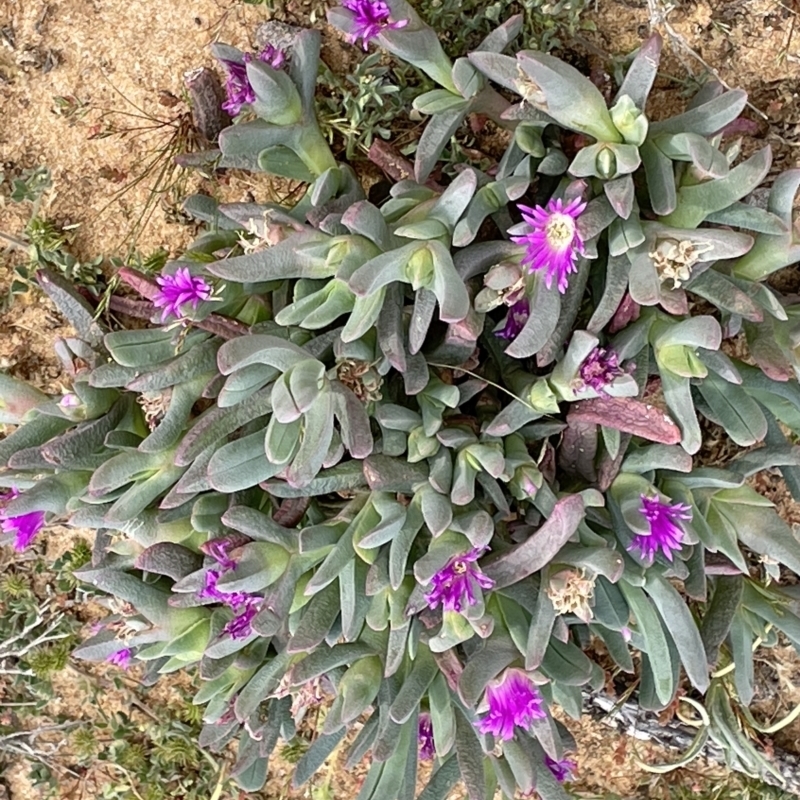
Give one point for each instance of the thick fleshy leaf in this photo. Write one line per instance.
(705, 119)
(696, 202)
(436, 137)
(731, 407)
(628, 415)
(567, 96)
(537, 551)
(642, 72)
(545, 308)
(654, 639)
(168, 558)
(682, 628)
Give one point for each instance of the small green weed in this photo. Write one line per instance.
(371, 101)
(44, 242)
(463, 23)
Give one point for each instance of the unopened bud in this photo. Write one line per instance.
(629, 121)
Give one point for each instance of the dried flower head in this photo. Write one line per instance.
(370, 18)
(309, 695)
(179, 289)
(155, 406)
(361, 378)
(570, 592)
(23, 526)
(516, 319)
(529, 90)
(553, 242)
(674, 260)
(666, 534)
(514, 702)
(454, 585)
(599, 369)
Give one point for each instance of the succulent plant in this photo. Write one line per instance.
(374, 448)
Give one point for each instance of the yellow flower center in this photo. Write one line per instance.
(459, 567)
(560, 231)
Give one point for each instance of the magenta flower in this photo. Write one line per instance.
(238, 89)
(454, 584)
(370, 18)
(562, 770)
(69, 400)
(241, 626)
(122, 658)
(177, 290)
(666, 533)
(23, 526)
(600, 368)
(244, 605)
(427, 749)
(554, 243)
(514, 702)
(209, 590)
(273, 56)
(516, 319)
(219, 549)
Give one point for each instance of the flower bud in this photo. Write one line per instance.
(542, 397)
(629, 121)
(529, 141)
(419, 271)
(606, 164)
(526, 482)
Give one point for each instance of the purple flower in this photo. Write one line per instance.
(177, 290)
(427, 749)
(273, 56)
(454, 584)
(244, 605)
(370, 18)
(665, 532)
(238, 89)
(23, 526)
(553, 243)
(562, 770)
(513, 702)
(516, 319)
(69, 400)
(600, 368)
(240, 627)
(122, 658)
(219, 549)
(209, 590)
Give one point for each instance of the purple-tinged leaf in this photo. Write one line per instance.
(578, 449)
(537, 551)
(628, 415)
